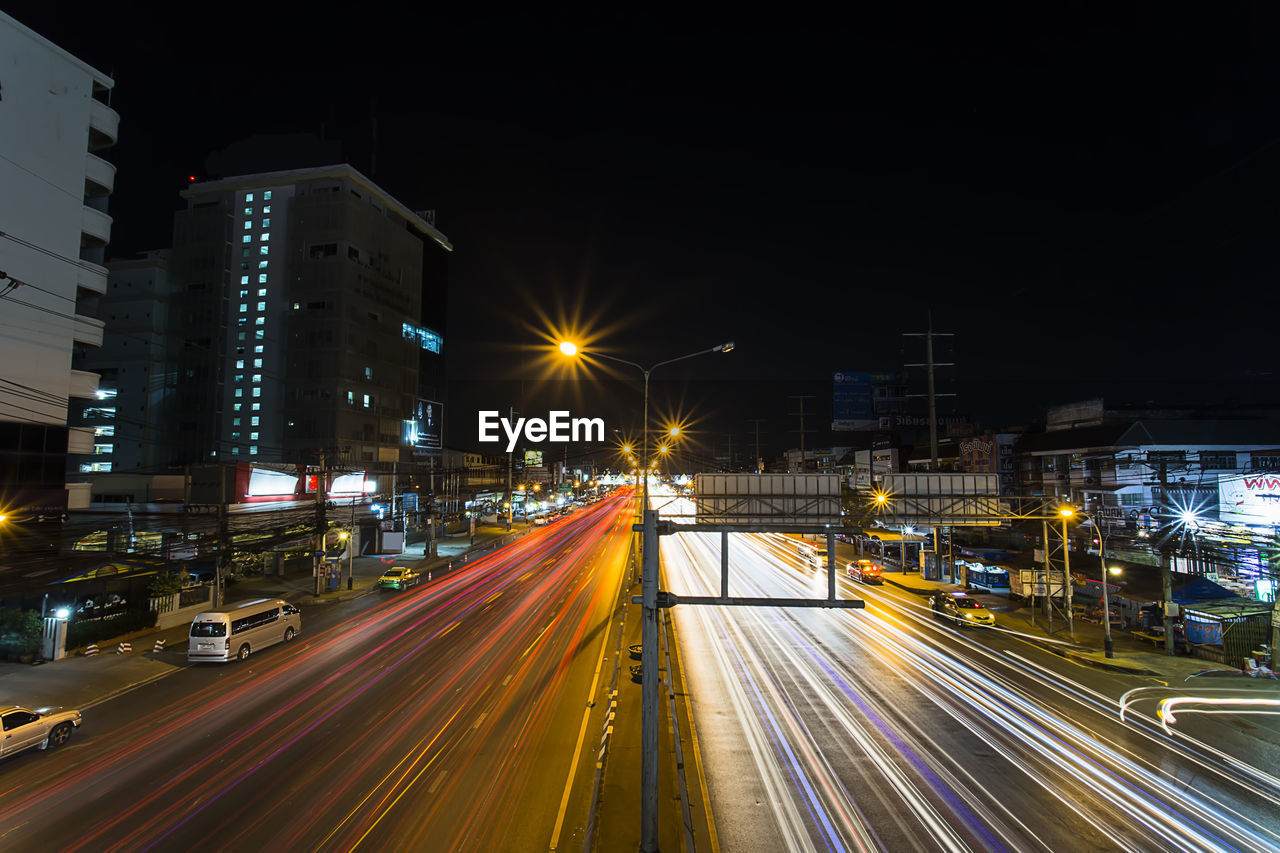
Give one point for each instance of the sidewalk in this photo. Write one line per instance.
(78, 681)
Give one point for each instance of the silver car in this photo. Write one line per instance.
(24, 728)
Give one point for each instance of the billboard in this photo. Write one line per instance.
(533, 459)
(1249, 499)
(852, 396)
(424, 432)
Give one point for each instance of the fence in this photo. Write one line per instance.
(180, 607)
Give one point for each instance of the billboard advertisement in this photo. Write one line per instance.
(424, 432)
(1249, 499)
(852, 396)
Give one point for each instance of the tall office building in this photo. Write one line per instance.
(53, 118)
(131, 364)
(307, 318)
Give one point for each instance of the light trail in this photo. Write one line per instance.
(371, 709)
(848, 762)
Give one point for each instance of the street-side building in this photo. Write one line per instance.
(55, 122)
(306, 320)
(128, 426)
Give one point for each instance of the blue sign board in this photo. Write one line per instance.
(852, 396)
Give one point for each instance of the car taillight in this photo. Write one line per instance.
(226, 644)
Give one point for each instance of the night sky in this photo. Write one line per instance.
(1087, 198)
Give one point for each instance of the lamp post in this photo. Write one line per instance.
(649, 623)
(1067, 512)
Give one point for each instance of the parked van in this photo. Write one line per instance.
(238, 630)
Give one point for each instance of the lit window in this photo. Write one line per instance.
(244, 279)
(248, 197)
(351, 398)
(239, 392)
(248, 225)
(240, 364)
(240, 336)
(235, 422)
(259, 334)
(262, 306)
(258, 348)
(368, 373)
(248, 211)
(266, 208)
(256, 406)
(262, 265)
(366, 401)
(262, 278)
(257, 392)
(253, 421)
(262, 291)
(103, 448)
(264, 236)
(253, 436)
(257, 362)
(266, 196)
(264, 250)
(259, 321)
(235, 407)
(257, 377)
(248, 238)
(253, 450)
(266, 223)
(235, 451)
(244, 294)
(239, 377)
(243, 307)
(296, 306)
(104, 430)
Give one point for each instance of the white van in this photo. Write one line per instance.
(238, 630)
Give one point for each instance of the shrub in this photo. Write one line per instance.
(20, 632)
(97, 630)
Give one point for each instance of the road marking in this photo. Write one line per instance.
(506, 680)
(582, 729)
(479, 720)
(436, 784)
(535, 641)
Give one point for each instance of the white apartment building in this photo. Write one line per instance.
(55, 227)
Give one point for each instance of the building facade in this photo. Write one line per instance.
(128, 425)
(54, 121)
(306, 321)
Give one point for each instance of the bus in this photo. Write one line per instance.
(238, 630)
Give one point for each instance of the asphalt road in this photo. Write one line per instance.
(447, 717)
(887, 729)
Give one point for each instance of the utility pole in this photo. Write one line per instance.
(801, 398)
(511, 498)
(929, 365)
(759, 461)
(224, 536)
(1166, 576)
(320, 525)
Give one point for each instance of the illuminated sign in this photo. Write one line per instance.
(266, 483)
(426, 338)
(1249, 499)
(533, 459)
(425, 430)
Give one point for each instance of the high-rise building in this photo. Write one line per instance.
(130, 362)
(307, 318)
(55, 227)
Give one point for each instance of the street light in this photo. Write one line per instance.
(649, 623)
(1067, 512)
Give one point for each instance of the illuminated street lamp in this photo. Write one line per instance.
(1067, 512)
(649, 622)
